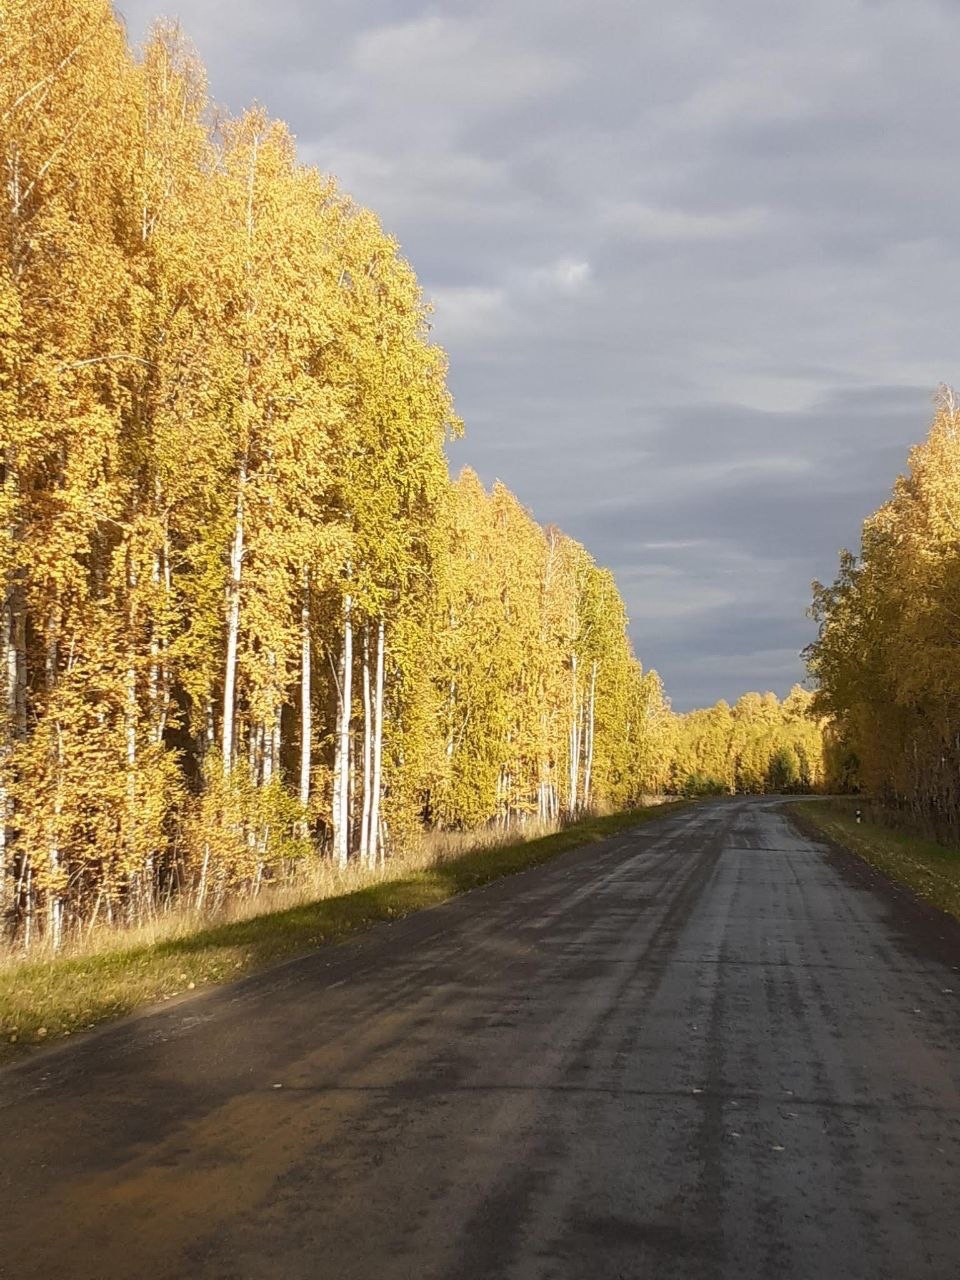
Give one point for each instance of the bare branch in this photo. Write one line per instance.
(51, 75)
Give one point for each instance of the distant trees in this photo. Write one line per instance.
(887, 658)
(758, 745)
(545, 710)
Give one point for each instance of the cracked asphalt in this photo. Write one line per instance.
(710, 1048)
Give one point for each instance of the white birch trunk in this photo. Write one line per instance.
(341, 805)
(55, 908)
(352, 796)
(270, 728)
(543, 769)
(256, 733)
(581, 744)
(9, 731)
(364, 851)
(166, 691)
(338, 761)
(55, 902)
(131, 736)
(588, 773)
(130, 725)
(12, 663)
(254, 741)
(574, 741)
(306, 695)
(233, 626)
(14, 604)
(270, 753)
(377, 849)
(269, 739)
(202, 886)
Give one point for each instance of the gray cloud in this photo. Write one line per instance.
(694, 265)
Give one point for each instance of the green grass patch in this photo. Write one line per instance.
(45, 999)
(931, 870)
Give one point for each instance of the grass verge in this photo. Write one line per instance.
(931, 870)
(41, 1000)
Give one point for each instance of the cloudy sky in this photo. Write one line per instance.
(696, 265)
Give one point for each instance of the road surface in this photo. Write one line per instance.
(709, 1048)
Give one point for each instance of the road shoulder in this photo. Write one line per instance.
(44, 1002)
(906, 873)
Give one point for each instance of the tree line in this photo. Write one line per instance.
(760, 744)
(248, 619)
(887, 656)
(246, 613)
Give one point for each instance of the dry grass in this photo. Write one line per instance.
(109, 973)
(322, 882)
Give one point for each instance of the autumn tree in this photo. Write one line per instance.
(758, 745)
(885, 659)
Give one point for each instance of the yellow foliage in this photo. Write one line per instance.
(222, 430)
(887, 658)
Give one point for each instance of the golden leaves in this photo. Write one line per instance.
(888, 655)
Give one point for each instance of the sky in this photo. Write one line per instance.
(696, 266)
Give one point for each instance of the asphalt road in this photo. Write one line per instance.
(710, 1048)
